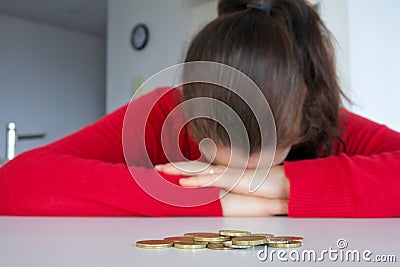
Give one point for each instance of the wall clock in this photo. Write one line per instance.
(139, 36)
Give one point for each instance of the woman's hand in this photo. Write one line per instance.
(275, 186)
(271, 198)
(236, 205)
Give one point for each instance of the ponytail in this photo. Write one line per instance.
(314, 40)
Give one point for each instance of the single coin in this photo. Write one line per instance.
(230, 245)
(219, 248)
(234, 233)
(201, 233)
(284, 239)
(293, 238)
(249, 240)
(189, 245)
(154, 244)
(266, 235)
(277, 240)
(291, 244)
(212, 238)
(179, 238)
(215, 245)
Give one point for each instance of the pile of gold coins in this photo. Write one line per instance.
(224, 240)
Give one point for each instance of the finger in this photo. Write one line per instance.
(226, 181)
(177, 168)
(170, 169)
(190, 168)
(200, 181)
(213, 169)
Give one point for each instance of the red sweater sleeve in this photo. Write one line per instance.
(85, 174)
(362, 181)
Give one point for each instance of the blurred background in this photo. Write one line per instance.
(66, 63)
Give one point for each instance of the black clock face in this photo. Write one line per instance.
(140, 36)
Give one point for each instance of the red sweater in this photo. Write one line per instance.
(84, 174)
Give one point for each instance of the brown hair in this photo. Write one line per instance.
(289, 54)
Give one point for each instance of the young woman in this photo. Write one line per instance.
(328, 162)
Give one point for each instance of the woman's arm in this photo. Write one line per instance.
(271, 197)
(363, 181)
(85, 174)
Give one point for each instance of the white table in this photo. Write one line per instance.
(48, 241)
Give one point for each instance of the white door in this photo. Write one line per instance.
(51, 80)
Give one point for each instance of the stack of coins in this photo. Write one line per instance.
(224, 240)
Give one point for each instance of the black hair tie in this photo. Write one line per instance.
(259, 6)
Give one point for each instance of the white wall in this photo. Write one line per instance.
(171, 24)
(51, 80)
(335, 15)
(368, 56)
(375, 59)
(201, 13)
(367, 44)
(164, 48)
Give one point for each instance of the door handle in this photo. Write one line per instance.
(12, 138)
